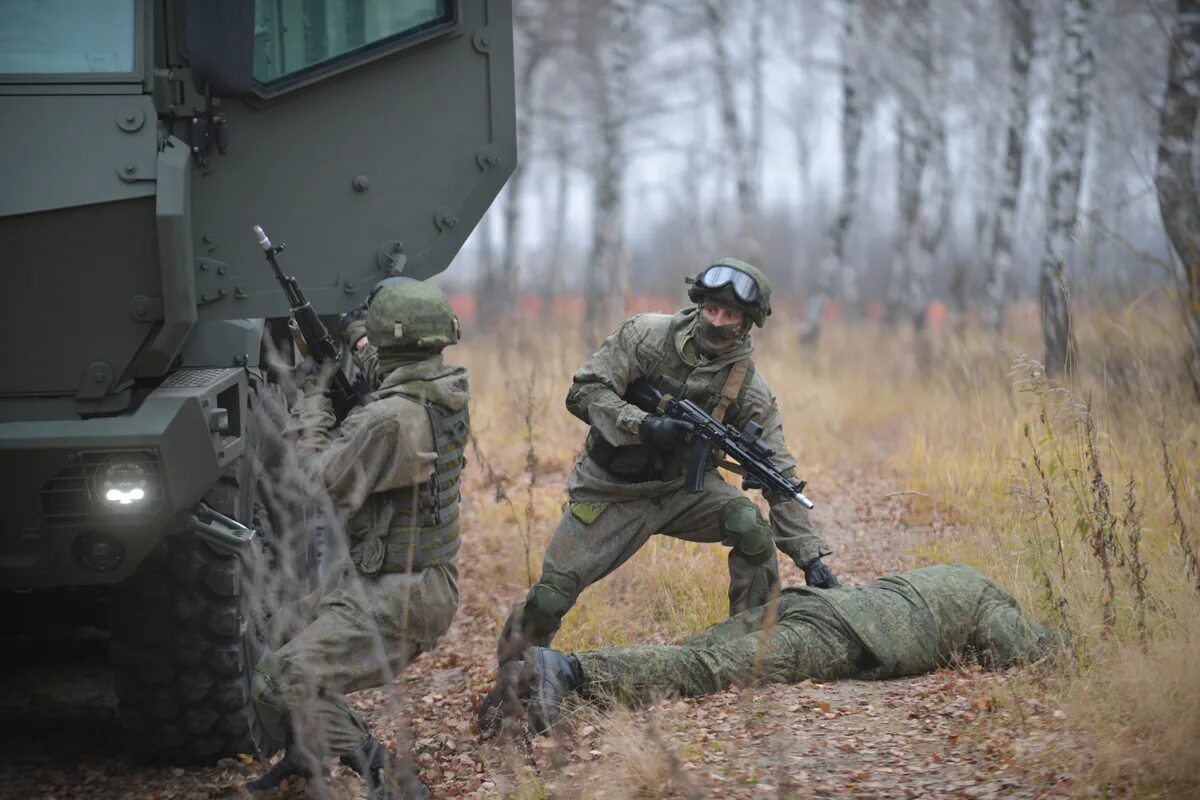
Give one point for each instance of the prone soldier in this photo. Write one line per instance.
(896, 626)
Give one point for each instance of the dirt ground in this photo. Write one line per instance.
(956, 733)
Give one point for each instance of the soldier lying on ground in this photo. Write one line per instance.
(629, 483)
(896, 626)
(391, 469)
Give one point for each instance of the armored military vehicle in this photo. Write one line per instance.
(142, 141)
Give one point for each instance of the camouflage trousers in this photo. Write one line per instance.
(594, 538)
(890, 628)
(354, 632)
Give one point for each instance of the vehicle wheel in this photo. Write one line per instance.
(187, 630)
(183, 654)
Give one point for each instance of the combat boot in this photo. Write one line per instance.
(291, 765)
(505, 703)
(386, 777)
(554, 676)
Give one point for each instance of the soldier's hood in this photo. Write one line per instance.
(684, 325)
(431, 380)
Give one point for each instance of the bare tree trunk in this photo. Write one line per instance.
(737, 140)
(1000, 266)
(933, 215)
(552, 285)
(911, 154)
(1175, 176)
(751, 228)
(487, 259)
(611, 58)
(1068, 146)
(852, 133)
(499, 288)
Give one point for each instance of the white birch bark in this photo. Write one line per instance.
(833, 266)
(739, 138)
(1020, 13)
(932, 216)
(1068, 146)
(610, 57)
(552, 285)
(911, 154)
(1175, 175)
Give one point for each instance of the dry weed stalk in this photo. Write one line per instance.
(1190, 560)
(1054, 599)
(1102, 535)
(531, 463)
(1138, 569)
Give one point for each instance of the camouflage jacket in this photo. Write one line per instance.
(384, 445)
(643, 346)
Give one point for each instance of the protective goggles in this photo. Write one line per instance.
(719, 275)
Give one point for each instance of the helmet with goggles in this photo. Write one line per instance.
(734, 283)
(408, 314)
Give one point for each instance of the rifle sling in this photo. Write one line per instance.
(731, 389)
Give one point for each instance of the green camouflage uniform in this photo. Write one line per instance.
(392, 469)
(622, 492)
(896, 626)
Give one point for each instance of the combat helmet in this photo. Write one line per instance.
(408, 314)
(734, 283)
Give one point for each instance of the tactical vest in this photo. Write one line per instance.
(640, 462)
(424, 527)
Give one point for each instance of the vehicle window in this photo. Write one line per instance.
(66, 37)
(293, 36)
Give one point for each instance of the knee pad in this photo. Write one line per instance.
(744, 527)
(548, 600)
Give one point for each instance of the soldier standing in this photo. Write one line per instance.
(628, 484)
(391, 469)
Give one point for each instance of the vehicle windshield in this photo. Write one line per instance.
(66, 37)
(294, 36)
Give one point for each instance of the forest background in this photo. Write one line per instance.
(981, 222)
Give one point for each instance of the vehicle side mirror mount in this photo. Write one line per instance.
(220, 45)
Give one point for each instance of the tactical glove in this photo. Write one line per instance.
(817, 575)
(663, 431)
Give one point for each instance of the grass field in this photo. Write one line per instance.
(1082, 498)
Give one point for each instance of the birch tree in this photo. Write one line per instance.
(536, 27)
(1020, 16)
(834, 263)
(610, 41)
(1068, 146)
(552, 280)
(922, 174)
(741, 130)
(934, 199)
(1175, 175)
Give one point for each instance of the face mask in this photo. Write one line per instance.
(717, 339)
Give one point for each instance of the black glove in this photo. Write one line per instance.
(663, 431)
(817, 575)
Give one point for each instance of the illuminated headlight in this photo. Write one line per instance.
(124, 483)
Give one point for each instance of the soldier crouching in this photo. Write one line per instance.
(391, 470)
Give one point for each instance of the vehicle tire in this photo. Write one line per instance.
(183, 654)
(185, 637)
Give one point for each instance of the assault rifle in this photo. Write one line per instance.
(746, 446)
(344, 394)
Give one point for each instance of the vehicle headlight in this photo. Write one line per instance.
(122, 482)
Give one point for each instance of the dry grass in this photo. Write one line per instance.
(1061, 494)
